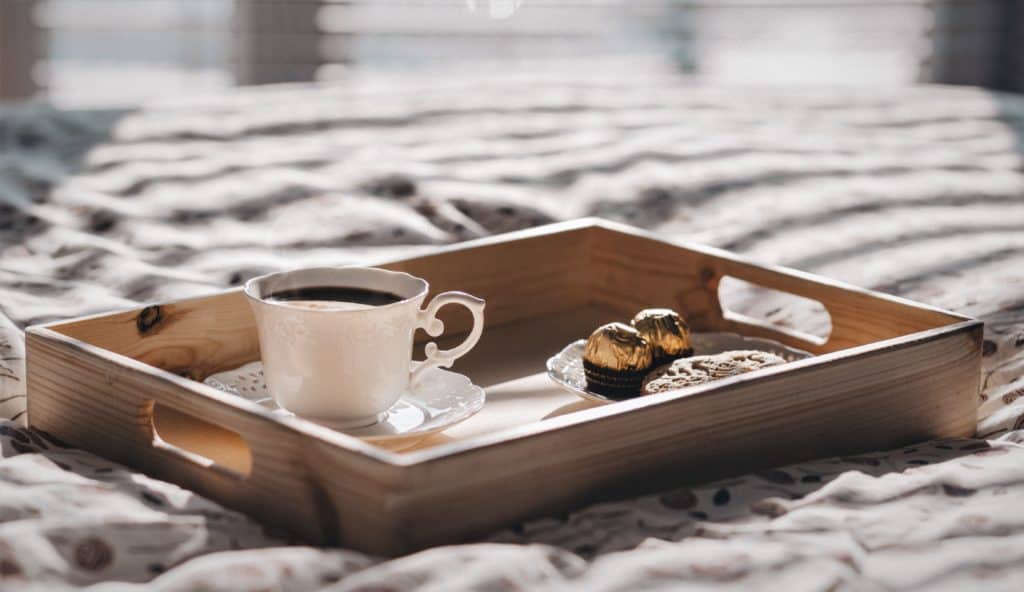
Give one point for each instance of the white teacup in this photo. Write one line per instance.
(347, 362)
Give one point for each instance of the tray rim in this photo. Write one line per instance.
(422, 458)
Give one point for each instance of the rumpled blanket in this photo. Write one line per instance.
(914, 191)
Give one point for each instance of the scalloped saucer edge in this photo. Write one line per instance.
(438, 401)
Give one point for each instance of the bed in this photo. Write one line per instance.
(914, 191)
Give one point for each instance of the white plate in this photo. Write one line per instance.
(566, 367)
(439, 400)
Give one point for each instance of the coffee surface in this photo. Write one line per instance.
(333, 297)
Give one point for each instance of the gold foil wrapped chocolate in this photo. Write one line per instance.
(666, 331)
(619, 347)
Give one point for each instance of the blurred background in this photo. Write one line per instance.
(109, 53)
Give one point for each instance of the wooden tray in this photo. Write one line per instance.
(126, 386)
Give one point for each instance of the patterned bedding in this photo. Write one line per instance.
(918, 192)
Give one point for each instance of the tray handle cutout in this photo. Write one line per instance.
(199, 441)
(764, 307)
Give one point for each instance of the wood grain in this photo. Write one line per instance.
(891, 372)
(194, 338)
(105, 402)
(629, 273)
(841, 404)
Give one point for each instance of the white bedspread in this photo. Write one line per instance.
(917, 192)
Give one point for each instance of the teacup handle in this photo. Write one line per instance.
(429, 322)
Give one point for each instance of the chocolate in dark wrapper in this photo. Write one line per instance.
(666, 331)
(614, 384)
(616, 359)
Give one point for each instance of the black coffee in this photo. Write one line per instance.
(326, 294)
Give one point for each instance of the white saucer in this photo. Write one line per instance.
(439, 400)
(566, 367)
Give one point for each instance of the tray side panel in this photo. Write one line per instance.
(195, 337)
(632, 272)
(901, 393)
(102, 406)
(519, 279)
